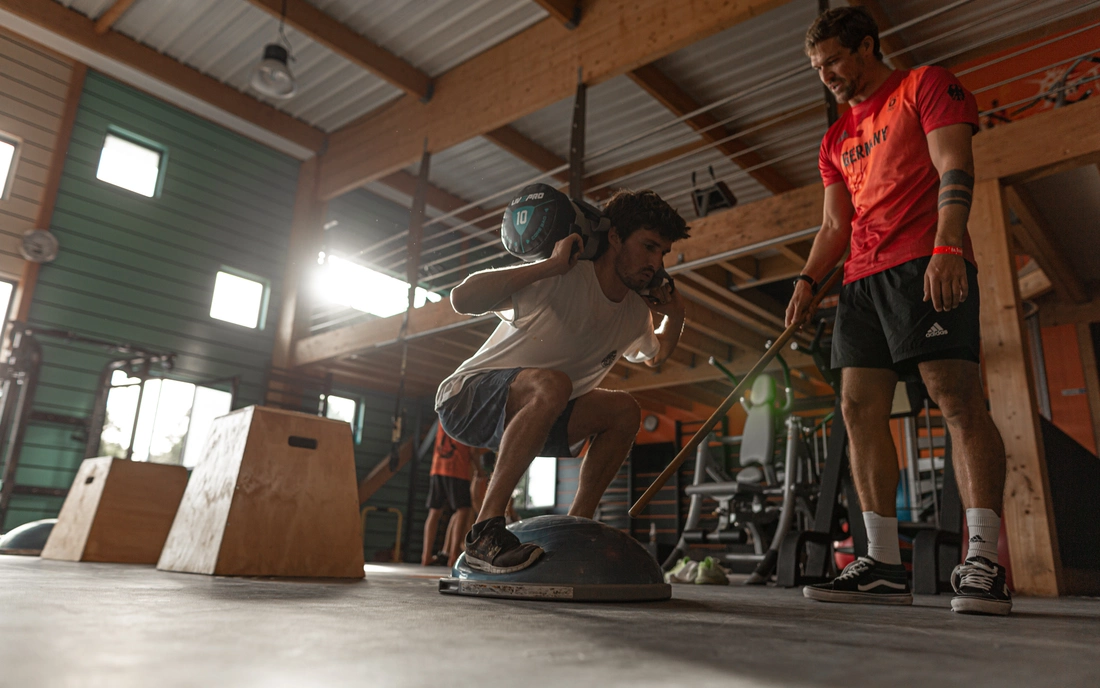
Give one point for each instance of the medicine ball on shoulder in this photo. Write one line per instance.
(541, 216)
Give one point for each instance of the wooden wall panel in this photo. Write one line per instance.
(33, 82)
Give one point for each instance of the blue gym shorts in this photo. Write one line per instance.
(475, 416)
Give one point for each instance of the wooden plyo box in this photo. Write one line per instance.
(274, 495)
(117, 511)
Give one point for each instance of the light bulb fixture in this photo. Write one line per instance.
(272, 76)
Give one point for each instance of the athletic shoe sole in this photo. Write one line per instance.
(977, 605)
(487, 567)
(857, 597)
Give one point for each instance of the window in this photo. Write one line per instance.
(241, 300)
(9, 155)
(131, 163)
(538, 487)
(340, 408)
(6, 288)
(349, 284)
(345, 409)
(173, 422)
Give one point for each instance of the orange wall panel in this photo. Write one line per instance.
(1069, 405)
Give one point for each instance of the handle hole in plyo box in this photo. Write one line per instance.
(302, 442)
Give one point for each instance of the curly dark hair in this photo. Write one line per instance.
(630, 211)
(849, 25)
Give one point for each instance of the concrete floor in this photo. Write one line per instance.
(64, 624)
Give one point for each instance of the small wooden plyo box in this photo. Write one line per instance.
(117, 511)
(273, 495)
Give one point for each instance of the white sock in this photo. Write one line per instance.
(985, 530)
(882, 538)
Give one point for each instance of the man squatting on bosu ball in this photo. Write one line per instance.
(531, 389)
(898, 172)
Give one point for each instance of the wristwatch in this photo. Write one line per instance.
(806, 278)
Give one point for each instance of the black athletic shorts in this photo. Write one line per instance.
(882, 321)
(444, 490)
(475, 416)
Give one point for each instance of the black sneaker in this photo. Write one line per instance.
(867, 581)
(980, 588)
(492, 548)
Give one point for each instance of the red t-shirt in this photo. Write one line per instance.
(879, 149)
(451, 458)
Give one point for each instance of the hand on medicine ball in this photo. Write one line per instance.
(665, 300)
(565, 255)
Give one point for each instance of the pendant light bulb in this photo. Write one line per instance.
(272, 76)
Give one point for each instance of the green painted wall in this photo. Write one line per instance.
(141, 270)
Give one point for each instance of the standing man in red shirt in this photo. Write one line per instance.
(898, 171)
(449, 485)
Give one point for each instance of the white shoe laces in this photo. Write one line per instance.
(856, 568)
(973, 575)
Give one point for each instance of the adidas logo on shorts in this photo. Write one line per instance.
(935, 331)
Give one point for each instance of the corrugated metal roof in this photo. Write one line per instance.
(224, 39)
(616, 111)
(435, 35)
(972, 24)
(476, 168)
(756, 69)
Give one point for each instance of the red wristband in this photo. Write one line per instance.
(949, 250)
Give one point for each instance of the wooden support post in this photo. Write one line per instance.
(24, 291)
(306, 235)
(1028, 512)
(1092, 379)
(112, 15)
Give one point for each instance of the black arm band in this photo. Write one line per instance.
(807, 278)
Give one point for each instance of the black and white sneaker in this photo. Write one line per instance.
(980, 588)
(865, 581)
(492, 548)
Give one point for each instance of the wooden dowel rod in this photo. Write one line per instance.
(722, 410)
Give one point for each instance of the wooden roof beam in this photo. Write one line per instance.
(704, 346)
(534, 154)
(113, 13)
(680, 103)
(568, 12)
(445, 201)
(669, 398)
(372, 334)
(1052, 314)
(769, 219)
(1041, 144)
(715, 279)
(351, 46)
(480, 94)
(1036, 240)
(692, 291)
(644, 379)
(704, 320)
(609, 176)
(70, 25)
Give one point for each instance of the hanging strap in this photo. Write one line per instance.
(412, 276)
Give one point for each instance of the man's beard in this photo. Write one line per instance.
(636, 281)
(847, 91)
